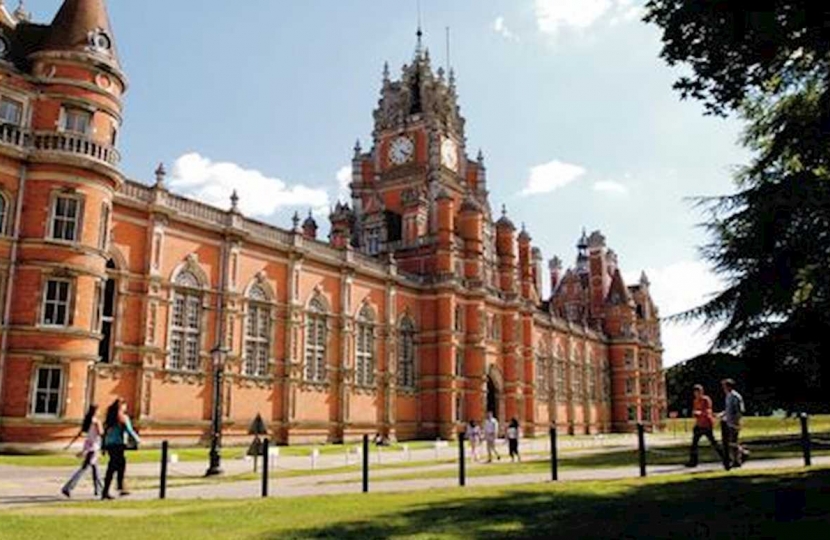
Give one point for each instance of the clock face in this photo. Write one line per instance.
(401, 150)
(449, 154)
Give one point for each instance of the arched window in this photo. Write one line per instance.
(365, 351)
(406, 354)
(186, 322)
(257, 333)
(315, 342)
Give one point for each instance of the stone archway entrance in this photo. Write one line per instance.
(494, 400)
(492, 397)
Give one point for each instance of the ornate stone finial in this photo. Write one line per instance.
(161, 173)
(234, 201)
(504, 210)
(357, 148)
(555, 263)
(441, 74)
(21, 14)
(296, 221)
(386, 72)
(452, 80)
(480, 157)
(644, 280)
(582, 243)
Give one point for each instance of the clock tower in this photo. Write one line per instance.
(418, 159)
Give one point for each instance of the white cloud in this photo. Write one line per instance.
(552, 16)
(611, 187)
(501, 28)
(676, 288)
(213, 182)
(551, 176)
(344, 178)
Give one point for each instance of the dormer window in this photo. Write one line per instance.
(373, 240)
(11, 111)
(100, 41)
(76, 121)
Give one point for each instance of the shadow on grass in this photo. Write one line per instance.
(748, 506)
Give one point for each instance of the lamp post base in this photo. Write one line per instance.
(214, 469)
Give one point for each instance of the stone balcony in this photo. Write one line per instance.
(25, 140)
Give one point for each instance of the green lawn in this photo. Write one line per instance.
(784, 504)
(153, 455)
(760, 426)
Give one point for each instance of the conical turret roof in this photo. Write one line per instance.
(82, 25)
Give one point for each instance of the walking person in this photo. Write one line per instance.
(704, 424)
(513, 440)
(92, 430)
(117, 428)
(733, 412)
(491, 433)
(474, 436)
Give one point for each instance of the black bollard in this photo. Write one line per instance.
(805, 440)
(163, 484)
(641, 438)
(554, 465)
(265, 446)
(727, 447)
(462, 466)
(365, 464)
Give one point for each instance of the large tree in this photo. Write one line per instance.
(769, 62)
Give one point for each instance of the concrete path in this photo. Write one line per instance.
(23, 487)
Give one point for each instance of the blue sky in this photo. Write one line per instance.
(567, 98)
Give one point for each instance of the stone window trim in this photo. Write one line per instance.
(54, 198)
(60, 276)
(34, 390)
(367, 333)
(317, 313)
(188, 283)
(258, 302)
(16, 99)
(105, 227)
(407, 357)
(6, 213)
(71, 114)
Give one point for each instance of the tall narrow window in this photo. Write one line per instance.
(459, 362)
(56, 302)
(373, 240)
(47, 391)
(66, 217)
(406, 354)
(257, 334)
(459, 319)
(459, 407)
(541, 377)
(104, 233)
(365, 354)
(4, 211)
(185, 334)
(107, 309)
(590, 378)
(11, 111)
(76, 121)
(315, 342)
(561, 389)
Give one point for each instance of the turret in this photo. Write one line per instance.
(555, 266)
(470, 226)
(310, 227)
(506, 251)
(342, 226)
(525, 271)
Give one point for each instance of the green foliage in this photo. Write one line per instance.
(769, 60)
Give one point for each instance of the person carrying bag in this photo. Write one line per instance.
(119, 436)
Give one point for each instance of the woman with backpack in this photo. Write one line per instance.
(117, 428)
(92, 429)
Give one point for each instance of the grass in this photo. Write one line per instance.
(756, 426)
(153, 455)
(672, 455)
(780, 504)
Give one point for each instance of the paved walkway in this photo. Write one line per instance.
(20, 486)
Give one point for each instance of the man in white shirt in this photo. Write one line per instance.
(732, 414)
(491, 433)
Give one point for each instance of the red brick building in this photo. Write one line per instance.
(420, 311)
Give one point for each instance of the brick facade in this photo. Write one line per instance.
(420, 311)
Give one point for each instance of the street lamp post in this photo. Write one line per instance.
(218, 356)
